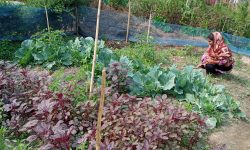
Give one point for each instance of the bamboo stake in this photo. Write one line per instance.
(100, 111)
(77, 19)
(129, 12)
(47, 18)
(95, 48)
(149, 25)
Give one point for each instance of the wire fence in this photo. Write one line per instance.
(19, 22)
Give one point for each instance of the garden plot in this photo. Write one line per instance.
(51, 109)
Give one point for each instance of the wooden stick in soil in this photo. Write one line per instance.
(47, 18)
(149, 25)
(100, 111)
(77, 19)
(129, 12)
(95, 48)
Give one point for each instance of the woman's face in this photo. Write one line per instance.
(210, 42)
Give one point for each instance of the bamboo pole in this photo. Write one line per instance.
(77, 19)
(95, 49)
(129, 12)
(47, 18)
(100, 111)
(149, 25)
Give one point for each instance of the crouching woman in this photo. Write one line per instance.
(218, 57)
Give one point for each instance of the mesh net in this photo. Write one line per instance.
(18, 22)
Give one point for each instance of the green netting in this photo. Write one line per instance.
(236, 43)
(18, 22)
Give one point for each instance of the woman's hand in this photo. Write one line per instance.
(213, 55)
(224, 55)
(199, 66)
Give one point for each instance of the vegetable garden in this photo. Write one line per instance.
(150, 101)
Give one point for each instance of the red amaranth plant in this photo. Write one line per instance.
(128, 122)
(31, 108)
(136, 123)
(117, 75)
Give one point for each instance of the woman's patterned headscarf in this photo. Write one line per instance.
(215, 50)
(219, 45)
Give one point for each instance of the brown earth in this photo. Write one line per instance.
(236, 135)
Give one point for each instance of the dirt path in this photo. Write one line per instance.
(236, 135)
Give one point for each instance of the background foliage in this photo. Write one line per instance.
(196, 13)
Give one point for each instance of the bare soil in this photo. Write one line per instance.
(235, 135)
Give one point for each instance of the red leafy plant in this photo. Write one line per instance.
(31, 108)
(128, 122)
(18, 88)
(50, 118)
(50, 122)
(134, 123)
(117, 76)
